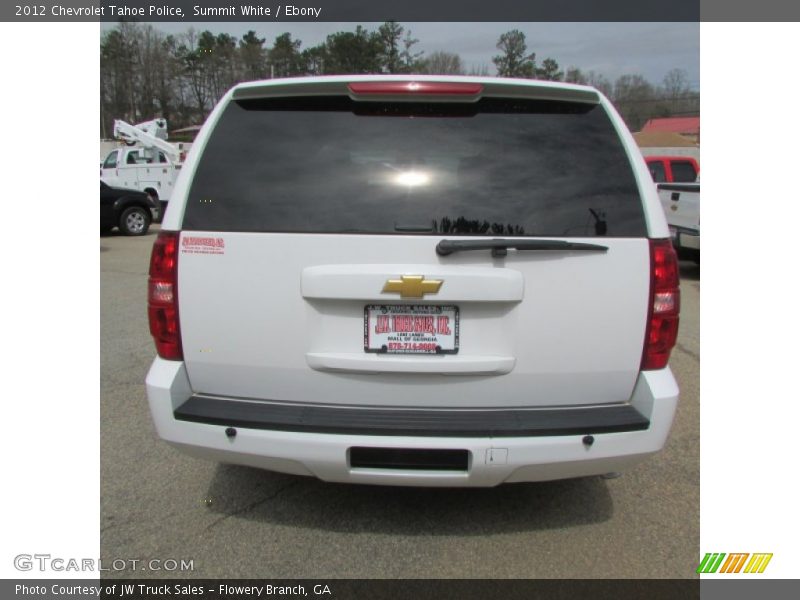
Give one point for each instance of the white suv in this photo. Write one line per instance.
(413, 280)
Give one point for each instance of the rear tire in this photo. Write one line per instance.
(134, 220)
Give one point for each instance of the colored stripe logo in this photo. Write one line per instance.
(719, 562)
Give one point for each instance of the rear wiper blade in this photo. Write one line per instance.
(499, 247)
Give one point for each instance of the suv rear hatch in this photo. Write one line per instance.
(309, 270)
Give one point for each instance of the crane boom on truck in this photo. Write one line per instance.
(150, 134)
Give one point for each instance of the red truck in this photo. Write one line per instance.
(673, 169)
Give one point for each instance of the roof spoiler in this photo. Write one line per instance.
(406, 86)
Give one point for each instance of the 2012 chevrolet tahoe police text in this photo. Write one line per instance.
(401, 280)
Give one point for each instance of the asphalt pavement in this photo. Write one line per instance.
(233, 521)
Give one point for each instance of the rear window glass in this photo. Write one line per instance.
(683, 172)
(657, 171)
(495, 167)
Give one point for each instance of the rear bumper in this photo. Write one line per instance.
(685, 239)
(506, 448)
(690, 241)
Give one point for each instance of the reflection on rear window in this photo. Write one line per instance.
(496, 167)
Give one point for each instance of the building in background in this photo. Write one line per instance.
(666, 143)
(688, 127)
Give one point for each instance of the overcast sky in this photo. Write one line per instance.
(611, 49)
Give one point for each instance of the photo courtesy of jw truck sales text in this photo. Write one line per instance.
(401, 289)
(143, 590)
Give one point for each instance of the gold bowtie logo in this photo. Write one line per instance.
(412, 286)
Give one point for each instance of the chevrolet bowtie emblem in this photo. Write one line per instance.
(412, 286)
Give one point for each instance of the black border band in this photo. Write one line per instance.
(441, 422)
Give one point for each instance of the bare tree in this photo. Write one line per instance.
(479, 71)
(575, 75)
(191, 55)
(600, 82)
(168, 84)
(442, 63)
(676, 84)
(634, 98)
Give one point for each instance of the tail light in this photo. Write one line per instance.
(665, 300)
(162, 296)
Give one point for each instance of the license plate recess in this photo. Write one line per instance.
(411, 329)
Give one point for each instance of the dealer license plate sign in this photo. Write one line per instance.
(410, 329)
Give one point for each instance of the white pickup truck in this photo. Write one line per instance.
(681, 203)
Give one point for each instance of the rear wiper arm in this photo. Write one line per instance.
(499, 247)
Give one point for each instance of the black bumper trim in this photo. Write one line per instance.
(308, 418)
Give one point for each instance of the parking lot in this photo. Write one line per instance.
(240, 522)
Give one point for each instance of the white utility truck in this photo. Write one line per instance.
(148, 162)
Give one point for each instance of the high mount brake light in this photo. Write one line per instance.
(443, 88)
(162, 296)
(664, 306)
